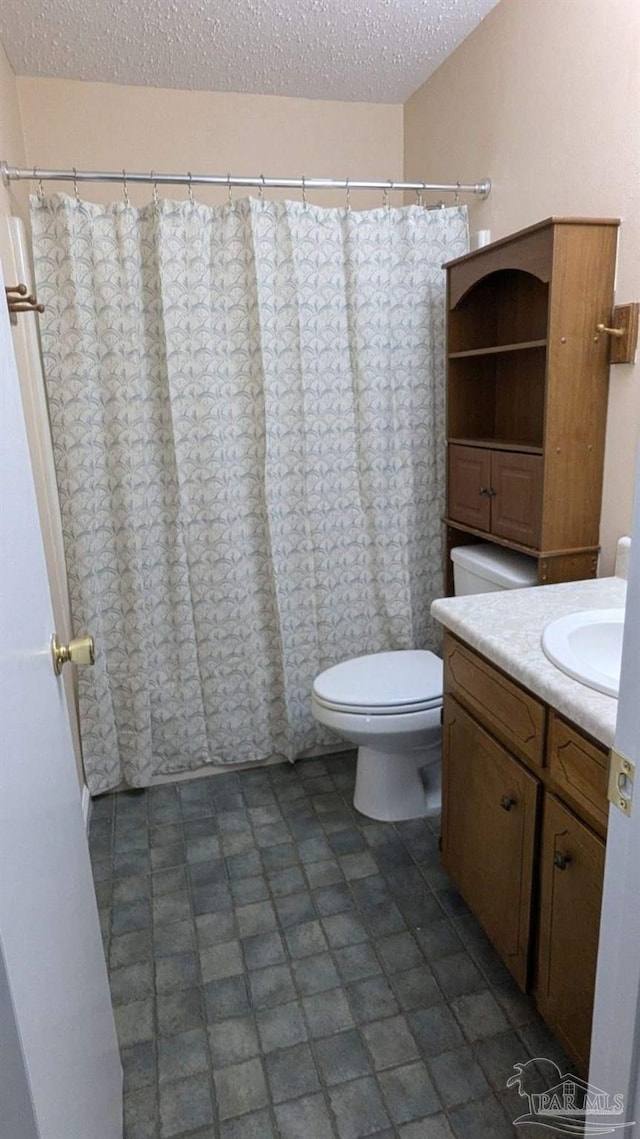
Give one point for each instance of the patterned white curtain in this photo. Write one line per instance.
(247, 411)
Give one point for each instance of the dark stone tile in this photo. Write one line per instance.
(357, 961)
(166, 835)
(384, 920)
(327, 1013)
(101, 870)
(372, 999)
(399, 951)
(262, 950)
(169, 908)
(518, 1008)
(372, 891)
(377, 834)
(182, 1055)
(165, 856)
(458, 1077)
(334, 899)
(240, 1088)
(179, 1011)
(131, 983)
(416, 988)
(390, 1042)
(305, 939)
(271, 986)
(289, 881)
(272, 835)
(348, 841)
(211, 899)
(315, 974)
(139, 1066)
(141, 1114)
(323, 873)
(342, 1057)
(344, 929)
(134, 1022)
(281, 1027)
(438, 939)
(409, 1092)
(202, 849)
(291, 1073)
(494, 970)
(244, 865)
(265, 815)
(212, 929)
(433, 1127)
(254, 1125)
(223, 960)
(233, 821)
(480, 1119)
(200, 828)
(125, 890)
(480, 1015)
(304, 1118)
(129, 917)
(176, 938)
(248, 890)
(226, 998)
(279, 857)
(185, 1106)
(358, 865)
(256, 918)
(498, 1055)
(451, 902)
(457, 975)
(392, 856)
(130, 947)
(178, 972)
(169, 881)
(539, 1041)
(358, 1108)
(233, 1040)
(435, 1029)
(208, 872)
(295, 908)
(314, 849)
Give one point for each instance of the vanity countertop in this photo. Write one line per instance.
(506, 628)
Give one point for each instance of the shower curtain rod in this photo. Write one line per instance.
(34, 173)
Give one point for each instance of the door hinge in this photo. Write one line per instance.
(622, 772)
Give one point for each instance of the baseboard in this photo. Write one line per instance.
(86, 807)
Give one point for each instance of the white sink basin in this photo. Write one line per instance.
(588, 647)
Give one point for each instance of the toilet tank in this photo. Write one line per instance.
(485, 568)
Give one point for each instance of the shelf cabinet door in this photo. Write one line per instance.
(572, 870)
(488, 834)
(516, 506)
(469, 477)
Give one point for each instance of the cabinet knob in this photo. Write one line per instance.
(507, 802)
(560, 860)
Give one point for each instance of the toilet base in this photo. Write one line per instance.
(392, 787)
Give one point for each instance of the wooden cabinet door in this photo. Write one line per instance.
(516, 504)
(488, 834)
(469, 483)
(572, 869)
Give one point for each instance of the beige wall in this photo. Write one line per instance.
(12, 200)
(101, 126)
(543, 98)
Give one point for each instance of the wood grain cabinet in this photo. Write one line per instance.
(527, 376)
(524, 814)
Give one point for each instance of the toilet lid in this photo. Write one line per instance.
(408, 680)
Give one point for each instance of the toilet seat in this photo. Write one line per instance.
(382, 684)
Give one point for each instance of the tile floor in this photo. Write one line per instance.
(283, 968)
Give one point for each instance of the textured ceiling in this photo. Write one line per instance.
(369, 50)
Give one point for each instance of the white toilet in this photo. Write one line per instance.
(389, 704)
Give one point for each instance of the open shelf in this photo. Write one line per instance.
(506, 311)
(500, 444)
(497, 349)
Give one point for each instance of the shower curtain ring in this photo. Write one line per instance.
(348, 189)
(40, 190)
(75, 185)
(125, 188)
(261, 190)
(156, 200)
(190, 177)
(457, 197)
(229, 190)
(304, 191)
(419, 199)
(385, 195)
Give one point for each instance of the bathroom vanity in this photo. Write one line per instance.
(525, 767)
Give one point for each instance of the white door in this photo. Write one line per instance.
(615, 1044)
(60, 1074)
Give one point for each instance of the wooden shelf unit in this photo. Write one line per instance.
(527, 391)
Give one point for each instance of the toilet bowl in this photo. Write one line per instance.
(390, 703)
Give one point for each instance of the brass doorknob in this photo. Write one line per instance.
(81, 650)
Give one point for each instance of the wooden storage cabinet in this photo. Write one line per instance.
(523, 826)
(527, 378)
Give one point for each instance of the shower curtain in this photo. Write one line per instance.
(247, 415)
